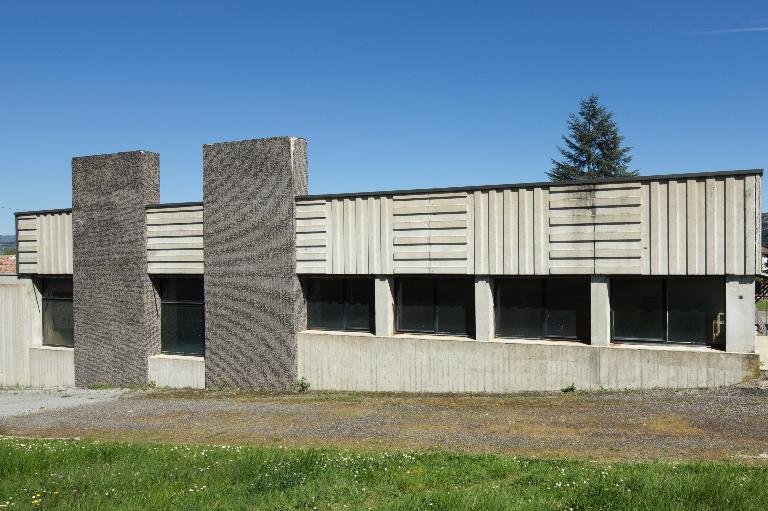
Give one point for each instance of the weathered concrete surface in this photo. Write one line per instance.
(484, 313)
(740, 314)
(409, 363)
(761, 348)
(21, 327)
(117, 324)
(254, 304)
(384, 301)
(52, 366)
(177, 371)
(600, 316)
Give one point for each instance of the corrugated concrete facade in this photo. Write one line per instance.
(44, 243)
(175, 239)
(703, 225)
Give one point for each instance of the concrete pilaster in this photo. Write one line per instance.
(600, 313)
(740, 314)
(254, 306)
(384, 305)
(116, 320)
(484, 313)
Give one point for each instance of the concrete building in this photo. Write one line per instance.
(623, 283)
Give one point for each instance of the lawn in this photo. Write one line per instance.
(69, 474)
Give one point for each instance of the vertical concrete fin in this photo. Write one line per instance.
(116, 320)
(254, 305)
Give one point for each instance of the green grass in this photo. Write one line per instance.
(762, 305)
(67, 474)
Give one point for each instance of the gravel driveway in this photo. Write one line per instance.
(728, 423)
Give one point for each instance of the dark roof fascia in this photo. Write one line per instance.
(172, 205)
(42, 212)
(637, 179)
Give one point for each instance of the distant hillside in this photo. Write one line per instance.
(7, 241)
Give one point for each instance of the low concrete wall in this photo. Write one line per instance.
(177, 371)
(51, 366)
(405, 363)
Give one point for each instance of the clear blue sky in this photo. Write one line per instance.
(389, 94)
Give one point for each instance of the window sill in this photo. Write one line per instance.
(351, 333)
(664, 347)
(168, 356)
(52, 348)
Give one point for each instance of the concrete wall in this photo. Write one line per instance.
(176, 371)
(45, 243)
(21, 328)
(175, 240)
(254, 305)
(24, 361)
(116, 314)
(340, 361)
(644, 226)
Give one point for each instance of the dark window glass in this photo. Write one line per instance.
(566, 308)
(339, 304)
(639, 309)
(182, 316)
(436, 305)
(58, 329)
(519, 307)
(696, 310)
(325, 304)
(359, 304)
(416, 304)
(455, 302)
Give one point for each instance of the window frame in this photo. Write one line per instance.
(159, 286)
(665, 297)
(308, 282)
(471, 331)
(42, 286)
(498, 282)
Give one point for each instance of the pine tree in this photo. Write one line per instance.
(594, 148)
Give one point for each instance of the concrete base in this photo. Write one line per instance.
(177, 371)
(52, 366)
(406, 363)
(761, 348)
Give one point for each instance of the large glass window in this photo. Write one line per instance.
(58, 327)
(685, 310)
(555, 308)
(182, 315)
(443, 305)
(339, 303)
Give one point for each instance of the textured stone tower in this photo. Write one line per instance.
(253, 302)
(116, 323)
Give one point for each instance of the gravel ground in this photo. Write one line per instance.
(23, 401)
(729, 423)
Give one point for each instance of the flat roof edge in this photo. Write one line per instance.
(42, 212)
(629, 179)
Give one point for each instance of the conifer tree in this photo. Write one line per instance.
(594, 148)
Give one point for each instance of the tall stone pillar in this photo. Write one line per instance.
(385, 305)
(740, 314)
(484, 311)
(254, 306)
(116, 320)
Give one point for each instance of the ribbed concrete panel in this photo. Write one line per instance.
(253, 300)
(27, 236)
(20, 328)
(677, 226)
(116, 319)
(175, 240)
(45, 243)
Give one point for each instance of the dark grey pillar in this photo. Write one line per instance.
(115, 313)
(253, 300)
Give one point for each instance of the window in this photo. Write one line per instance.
(682, 310)
(443, 305)
(542, 308)
(58, 329)
(182, 315)
(340, 303)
